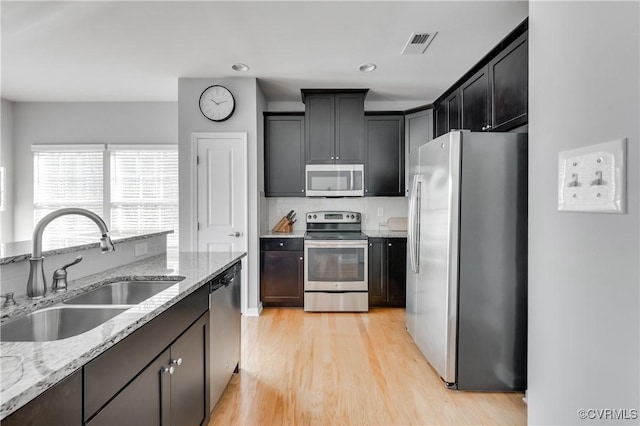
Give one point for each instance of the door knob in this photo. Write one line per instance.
(236, 234)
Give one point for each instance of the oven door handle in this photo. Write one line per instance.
(335, 243)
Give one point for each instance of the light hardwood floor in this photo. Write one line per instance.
(346, 369)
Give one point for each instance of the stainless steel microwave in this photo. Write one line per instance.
(335, 180)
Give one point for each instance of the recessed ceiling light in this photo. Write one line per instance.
(368, 67)
(240, 67)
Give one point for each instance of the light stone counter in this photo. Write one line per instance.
(293, 234)
(27, 369)
(385, 233)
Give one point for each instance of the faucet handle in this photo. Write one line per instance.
(60, 276)
(9, 300)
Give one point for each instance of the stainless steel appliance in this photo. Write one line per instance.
(224, 330)
(336, 267)
(467, 277)
(334, 180)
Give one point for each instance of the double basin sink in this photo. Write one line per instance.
(81, 313)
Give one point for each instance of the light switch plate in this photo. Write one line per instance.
(593, 178)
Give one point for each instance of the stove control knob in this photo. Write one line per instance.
(352, 216)
(357, 216)
(315, 216)
(309, 217)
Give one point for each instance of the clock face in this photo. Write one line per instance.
(217, 103)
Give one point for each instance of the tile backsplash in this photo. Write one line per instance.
(369, 207)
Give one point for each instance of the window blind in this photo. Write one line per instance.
(68, 178)
(144, 191)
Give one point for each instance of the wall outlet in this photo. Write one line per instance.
(380, 211)
(141, 249)
(593, 178)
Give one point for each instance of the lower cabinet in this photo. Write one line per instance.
(282, 272)
(156, 375)
(387, 271)
(60, 405)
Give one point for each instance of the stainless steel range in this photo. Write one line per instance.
(336, 267)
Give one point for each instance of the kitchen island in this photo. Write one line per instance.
(28, 369)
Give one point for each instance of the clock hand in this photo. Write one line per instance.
(214, 102)
(221, 102)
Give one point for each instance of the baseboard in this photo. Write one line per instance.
(254, 312)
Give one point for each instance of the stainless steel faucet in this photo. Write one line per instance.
(37, 284)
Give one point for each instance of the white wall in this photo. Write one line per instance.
(6, 160)
(79, 122)
(246, 93)
(584, 323)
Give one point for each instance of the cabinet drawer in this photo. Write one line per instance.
(281, 244)
(112, 370)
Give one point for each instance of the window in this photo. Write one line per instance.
(134, 188)
(67, 176)
(144, 190)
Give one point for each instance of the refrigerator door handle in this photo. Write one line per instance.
(416, 225)
(412, 221)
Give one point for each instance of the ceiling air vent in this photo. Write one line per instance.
(418, 43)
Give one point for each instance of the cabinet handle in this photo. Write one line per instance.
(301, 258)
(487, 127)
(337, 158)
(281, 244)
(170, 369)
(176, 361)
(332, 158)
(389, 244)
(302, 190)
(370, 245)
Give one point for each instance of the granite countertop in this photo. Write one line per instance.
(27, 369)
(385, 233)
(293, 234)
(21, 250)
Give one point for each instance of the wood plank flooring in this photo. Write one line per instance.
(346, 369)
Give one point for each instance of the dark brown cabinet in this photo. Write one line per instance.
(284, 155)
(171, 390)
(475, 101)
(334, 126)
(387, 271)
(493, 98)
(282, 272)
(59, 405)
(509, 85)
(384, 172)
(166, 359)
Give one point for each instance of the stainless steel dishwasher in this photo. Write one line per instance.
(224, 329)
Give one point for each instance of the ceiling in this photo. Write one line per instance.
(136, 51)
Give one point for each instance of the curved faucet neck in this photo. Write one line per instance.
(42, 224)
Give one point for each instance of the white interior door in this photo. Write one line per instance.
(221, 192)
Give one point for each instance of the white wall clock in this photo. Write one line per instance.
(217, 103)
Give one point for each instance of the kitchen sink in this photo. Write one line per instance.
(121, 293)
(55, 323)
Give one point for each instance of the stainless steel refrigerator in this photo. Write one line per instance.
(467, 259)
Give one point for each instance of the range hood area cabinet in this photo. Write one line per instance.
(493, 95)
(385, 151)
(334, 126)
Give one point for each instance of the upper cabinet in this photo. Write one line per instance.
(493, 96)
(334, 126)
(384, 170)
(284, 154)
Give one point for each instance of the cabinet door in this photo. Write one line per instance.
(441, 120)
(284, 156)
(319, 129)
(453, 111)
(349, 109)
(385, 156)
(144, 401)
(397, 271)
(61, 404)
(377, 272)
(282, 278)
(189, 399)
(509, 85)
(475, 102)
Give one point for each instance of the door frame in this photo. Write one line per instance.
(193, 163)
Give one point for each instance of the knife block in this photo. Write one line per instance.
(283, 226)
